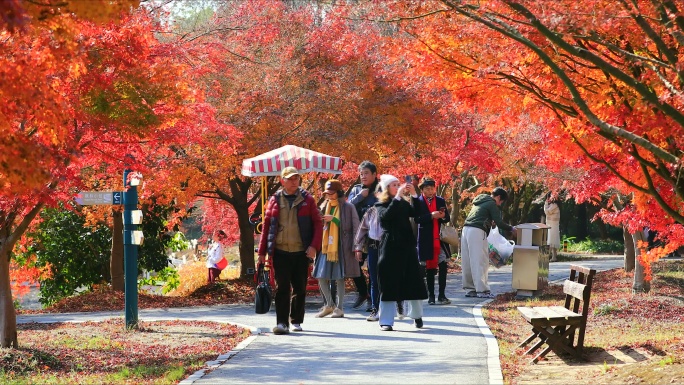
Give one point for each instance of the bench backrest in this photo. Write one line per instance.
(577, 289)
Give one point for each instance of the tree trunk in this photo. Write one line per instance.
(602, 229)
(8, 238)
(629, 250)
(582, 223)
(640, 285)
(455, 205)
(239, 199)
(246, 239)
(8, 320)
(116, 265)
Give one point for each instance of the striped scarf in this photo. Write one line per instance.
(331, 232)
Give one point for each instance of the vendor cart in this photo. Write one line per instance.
(272, 162)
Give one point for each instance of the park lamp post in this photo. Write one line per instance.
(132, 237)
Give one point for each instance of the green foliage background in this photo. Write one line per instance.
(80, 255)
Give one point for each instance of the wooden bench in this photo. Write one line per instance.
(556, 326)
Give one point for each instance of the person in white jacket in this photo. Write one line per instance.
(552, 212)
(215, 255)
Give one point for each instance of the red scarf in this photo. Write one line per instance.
(432, 207)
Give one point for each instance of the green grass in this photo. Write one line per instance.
(605, 309)
(666, 361)
(167, 374)
(672, 275)
(598, 246)
(89, 343)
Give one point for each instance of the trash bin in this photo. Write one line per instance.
(531, 260)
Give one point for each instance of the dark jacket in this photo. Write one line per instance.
(399, 273)
(308, 219)
(360, 203)
(483, 212)
(426, 227)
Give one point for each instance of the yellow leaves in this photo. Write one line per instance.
(76, 69)
(98, 11)
(528, 99)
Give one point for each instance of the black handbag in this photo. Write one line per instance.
(263, 294)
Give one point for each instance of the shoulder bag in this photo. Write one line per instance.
(263, 294)
(449, 235)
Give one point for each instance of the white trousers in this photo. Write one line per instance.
(388, 310)
(474, 259)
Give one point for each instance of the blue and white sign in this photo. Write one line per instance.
(89, 198)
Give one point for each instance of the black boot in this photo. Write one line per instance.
(430, 279)
(442, 299)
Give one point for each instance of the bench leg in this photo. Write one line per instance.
(558, 339)
(541, 355)
(565, 343)
(535, 334)
(529, 339)
(536, 346)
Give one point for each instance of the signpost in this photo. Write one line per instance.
(132, 217)
(130, 203)
(89, 198)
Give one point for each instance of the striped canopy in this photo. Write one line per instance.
(272, 162)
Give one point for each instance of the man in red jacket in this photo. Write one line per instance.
(291, 237)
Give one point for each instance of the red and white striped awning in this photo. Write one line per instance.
(272, 162)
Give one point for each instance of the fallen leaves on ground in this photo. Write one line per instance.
(618, 320)
(105, 352)
(104, 299)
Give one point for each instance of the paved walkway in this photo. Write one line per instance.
(455, 346)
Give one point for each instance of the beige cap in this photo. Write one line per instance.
(288, 172)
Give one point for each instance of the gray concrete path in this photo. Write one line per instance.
(455, 346)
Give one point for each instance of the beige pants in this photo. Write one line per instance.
(474, 259)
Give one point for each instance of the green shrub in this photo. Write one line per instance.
(169, 276)
(599, 246)
(78, 254)
(606, 309)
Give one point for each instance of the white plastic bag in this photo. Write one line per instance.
(501, 244)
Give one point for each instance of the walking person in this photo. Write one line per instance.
(336, 260)
(291, 237)
(399, 272)
(431, 213)
(215, 263)
(368, 237)
(474, 247)
(362, 196)
(552, 213)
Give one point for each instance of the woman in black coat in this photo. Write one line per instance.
(399, 272)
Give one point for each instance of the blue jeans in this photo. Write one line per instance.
(373, 275)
